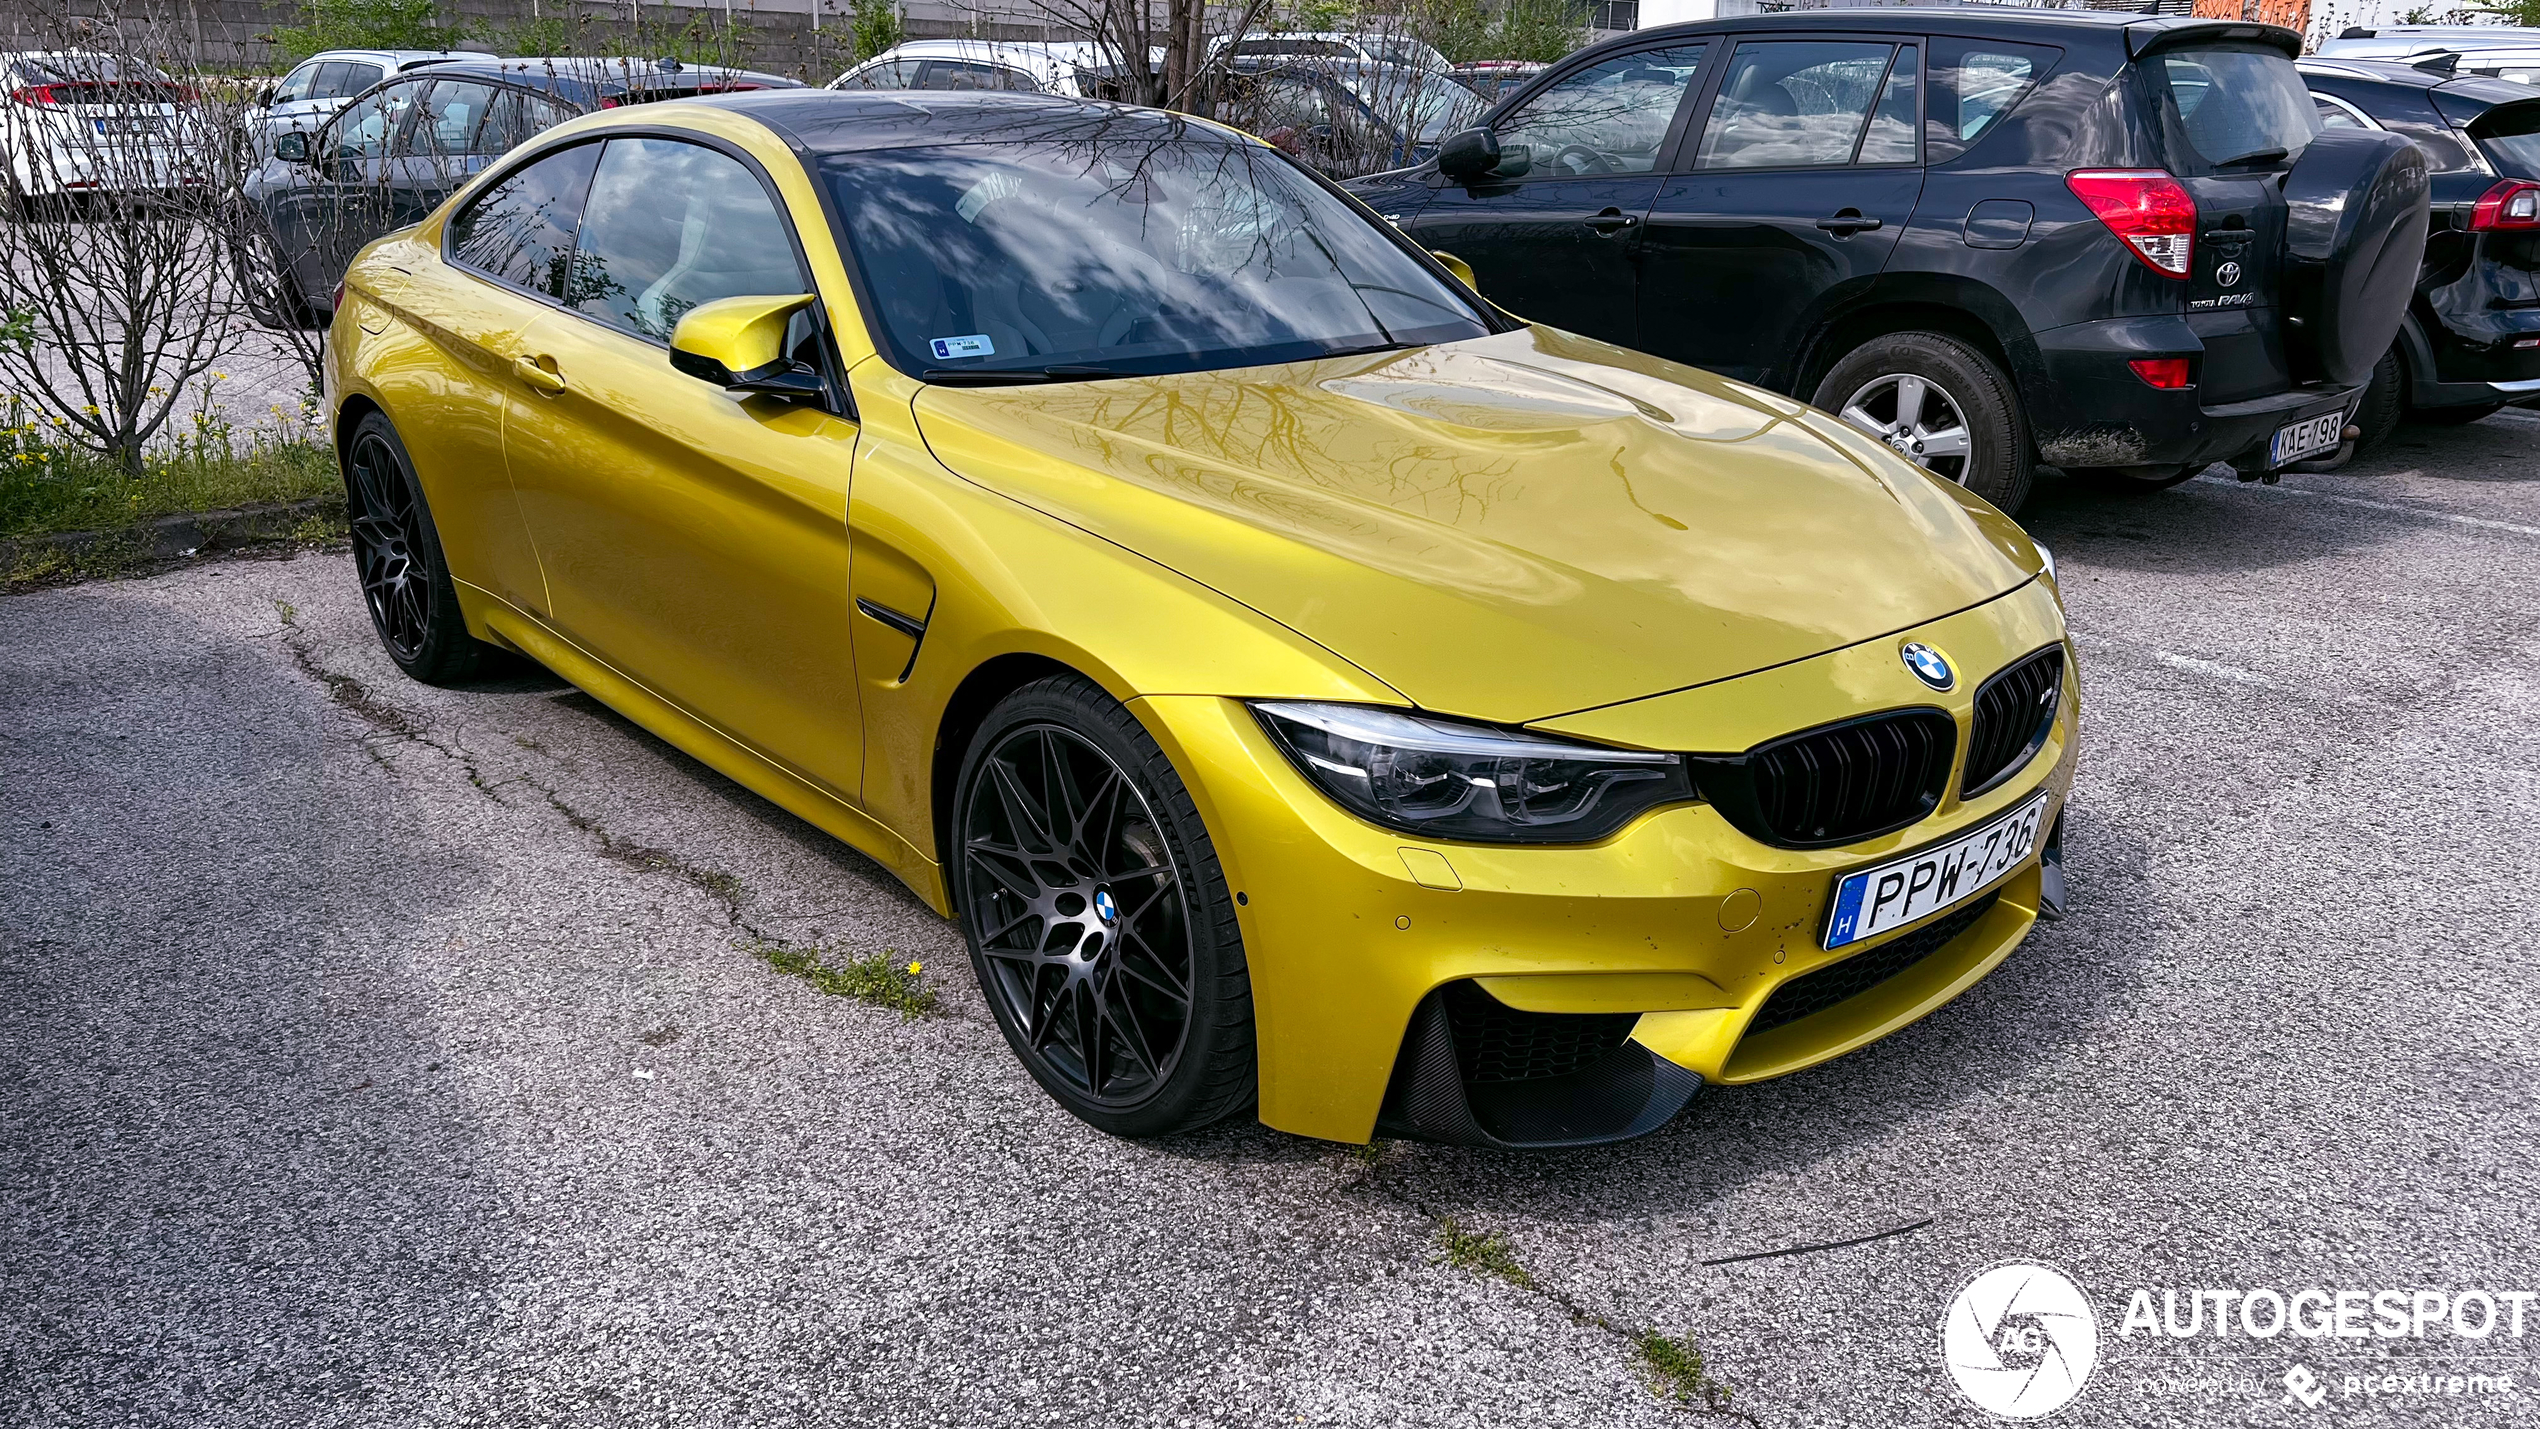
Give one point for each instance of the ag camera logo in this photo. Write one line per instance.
(2019, 1340)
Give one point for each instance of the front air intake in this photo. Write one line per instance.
(1835, 784)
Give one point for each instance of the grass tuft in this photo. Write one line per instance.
(49, 484)
(1486, 1253)
(1678, 1373)
(879, 978)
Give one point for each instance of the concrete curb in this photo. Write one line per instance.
(184, 534)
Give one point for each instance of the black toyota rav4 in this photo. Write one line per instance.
(2117, 244)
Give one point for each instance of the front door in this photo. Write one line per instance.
(1551, 237)
(344, 201)
(1791, 196)
(694, 540)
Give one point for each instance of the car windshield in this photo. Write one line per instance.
(2236, 105)
(1124, 256)
(1426, 106)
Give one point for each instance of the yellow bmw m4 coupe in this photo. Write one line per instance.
(1312, 689)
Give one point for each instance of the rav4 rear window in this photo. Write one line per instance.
(2233, 104)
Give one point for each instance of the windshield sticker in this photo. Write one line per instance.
(998, 184)
(975, 345)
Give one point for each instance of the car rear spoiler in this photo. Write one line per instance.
(2146, 36)
(2519, 116)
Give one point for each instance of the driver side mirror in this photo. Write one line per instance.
(1461, 269)
(292, 147)
(1475, 154)
(739, 344)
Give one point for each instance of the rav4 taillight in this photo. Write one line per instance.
(2515, 203)
(2153, 212)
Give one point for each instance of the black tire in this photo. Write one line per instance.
(1868, 389)
(1108, 949)
(397, 555)
(2384, 402)
(2455, 416)
(2135, 480)
(272, 294)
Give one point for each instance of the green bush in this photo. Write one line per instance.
(875, 26)
(363, 25)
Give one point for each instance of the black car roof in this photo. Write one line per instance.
(2397, 74)
(835, 121)
(1986, 21)
(584, 82)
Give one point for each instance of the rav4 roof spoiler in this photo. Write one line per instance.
(2145, 36)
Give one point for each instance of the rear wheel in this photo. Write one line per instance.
(264, 280)
(2384, 401)
(1939, 404)
(397, 553)
(1099, 923)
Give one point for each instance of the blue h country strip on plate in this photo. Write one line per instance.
(1847, 909)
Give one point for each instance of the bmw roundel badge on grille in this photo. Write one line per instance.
(1929, 665)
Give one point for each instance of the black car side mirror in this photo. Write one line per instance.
(1475, 154)
(292, 148)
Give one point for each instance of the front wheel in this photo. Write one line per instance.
(1099, 922)
(1939, 404)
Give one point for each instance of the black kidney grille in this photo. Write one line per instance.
(1853, 780)
(1819, 990)
(2015, 710)
(1496, 1043)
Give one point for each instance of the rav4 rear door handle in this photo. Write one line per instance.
(1850, 222)
(538, 375)
(1612, 220)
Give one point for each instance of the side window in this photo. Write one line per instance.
(1610, 118)
(515, 118)
(1898, 120)
(448, 121)
(342, 79)
(521, 231)
(961, 74)
(1790, 103)
(296, 85)
(888, 74)
(670, 225)
(1973, 84)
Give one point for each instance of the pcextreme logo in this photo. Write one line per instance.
(2020, 1339)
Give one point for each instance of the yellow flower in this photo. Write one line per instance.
(220, 377)
(915, 968)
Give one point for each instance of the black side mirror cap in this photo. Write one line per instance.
(292, 147)
(1474, 154)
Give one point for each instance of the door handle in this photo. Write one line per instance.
(1850, 222)
(539, 376)
(1611, 221)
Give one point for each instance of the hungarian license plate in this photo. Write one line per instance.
(131, 124)
(2307, 437)
(1909, 889)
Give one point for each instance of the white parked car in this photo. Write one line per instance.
(317, 86)
(2408, 42)
(74, 121)
(982, 64)
(1262, 50)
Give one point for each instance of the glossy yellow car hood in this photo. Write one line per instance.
(1507, 528)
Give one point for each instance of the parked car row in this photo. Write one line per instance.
(2121, 245)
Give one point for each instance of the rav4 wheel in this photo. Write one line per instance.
(2384, 401)
(1942, 405)
(1099, 923)
(397, 553)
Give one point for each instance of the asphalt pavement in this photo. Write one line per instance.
(373, 1054)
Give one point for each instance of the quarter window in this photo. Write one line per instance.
(1610, 118)
(521, 231)
(670, 225)
(1974, 83)
(1787, 104)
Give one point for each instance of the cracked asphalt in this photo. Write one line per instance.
(372, 1054)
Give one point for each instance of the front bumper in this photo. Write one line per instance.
(2092, 411)
(1679, 921)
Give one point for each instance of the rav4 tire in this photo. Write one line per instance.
(397, 553)
(1941, 405)
(1099, 923)
(2384, 401)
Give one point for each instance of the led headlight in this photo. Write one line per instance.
(1447, 780)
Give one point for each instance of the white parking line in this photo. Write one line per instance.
(2480, 522)
(2215, 669)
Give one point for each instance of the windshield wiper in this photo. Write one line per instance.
(1363, 351)
(1011, 376)
(2254, 156)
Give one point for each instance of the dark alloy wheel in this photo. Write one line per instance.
(397, 555)
(1099, 924)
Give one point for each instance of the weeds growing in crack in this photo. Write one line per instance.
(722, 887)
(879, 978)
(1485, 1253)
(290, 613)
(1678, 1373)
